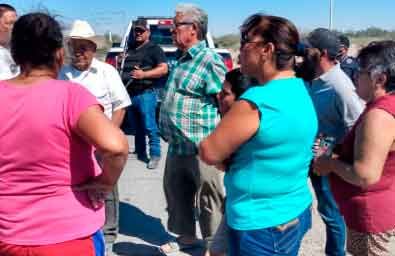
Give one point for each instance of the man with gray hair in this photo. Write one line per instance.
(8, 68)
(189, 114)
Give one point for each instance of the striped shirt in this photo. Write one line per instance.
(189, 111)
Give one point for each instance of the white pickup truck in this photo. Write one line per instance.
(160, 28)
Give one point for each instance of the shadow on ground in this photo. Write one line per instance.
(133, 249)
(134, 222)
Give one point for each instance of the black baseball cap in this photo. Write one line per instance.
(324, 39)
(141, 23)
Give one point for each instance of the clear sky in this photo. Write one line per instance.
(225, 16)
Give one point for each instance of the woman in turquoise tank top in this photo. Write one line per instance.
(269, 132)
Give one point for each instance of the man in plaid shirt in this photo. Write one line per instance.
(189, 114)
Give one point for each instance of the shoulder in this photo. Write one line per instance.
(386, 103)
(350, 61)
(66, 87)
(72, 87)
(103, 66)
(211, 59)
(254, 94)
(155, 46)
(211, 54)
(153, 49)
(339, 80)
(65, 69)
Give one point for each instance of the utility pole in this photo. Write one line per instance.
(110, 36)
(331, 14)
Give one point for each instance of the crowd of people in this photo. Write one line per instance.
(243, 145)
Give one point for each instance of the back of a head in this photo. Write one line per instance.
(311, 49)
(325, 39)
(6, 8)
(35, 39)
(379, 58)
(239, 82)
(279, 31)
(196, 15)
(344, 41)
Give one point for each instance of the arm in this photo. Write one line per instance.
(237, 126)
(119, 96)
(117, 117)
(160, 69)
(110, 142)
(373, 141)
(157, 72)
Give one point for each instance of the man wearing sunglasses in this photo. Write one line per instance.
(144, 64)
(104, 82)
(189, 113)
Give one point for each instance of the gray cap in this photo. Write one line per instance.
(324, 39)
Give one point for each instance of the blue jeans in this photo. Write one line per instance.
(142, 113)
(98, 243)
(334, 222)
(283, 240)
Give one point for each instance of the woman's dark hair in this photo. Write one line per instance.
(379, 58)
(306, 68)
(239, 82)
(35, 39)
(279, 31)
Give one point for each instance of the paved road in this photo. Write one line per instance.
(143, 215)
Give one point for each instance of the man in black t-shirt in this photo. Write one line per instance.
(145, 62)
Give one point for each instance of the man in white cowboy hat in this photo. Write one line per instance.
(103, 81)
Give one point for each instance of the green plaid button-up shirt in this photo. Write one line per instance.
(189, 111)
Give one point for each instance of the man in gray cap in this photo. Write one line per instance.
(338, 107)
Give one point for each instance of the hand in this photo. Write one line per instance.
(221, 167)
(137, 73)
(317, 152)
(224, 165)
(210, 253)
(97, 191)
(322, 165)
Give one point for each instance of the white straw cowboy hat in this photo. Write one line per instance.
(82, 30)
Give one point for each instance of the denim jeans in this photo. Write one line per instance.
(142, 113)
(283, 240)
(98, 243)
(334, 222)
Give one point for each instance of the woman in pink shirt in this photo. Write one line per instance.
(51, 187)
(363, 169)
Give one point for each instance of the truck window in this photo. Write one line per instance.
(161, 35)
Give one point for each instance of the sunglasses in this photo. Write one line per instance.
(81, 46)
(139, 30)
(245, 40)
(178, 24)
